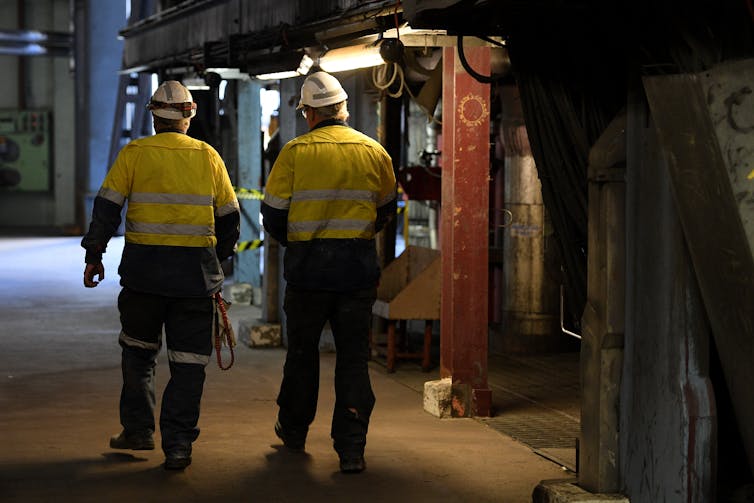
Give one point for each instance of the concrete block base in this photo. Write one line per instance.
(241, 294)
(257, 335)
(438, 397)
(567, 491)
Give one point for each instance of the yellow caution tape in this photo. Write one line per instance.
(243, 193)
(248, 245)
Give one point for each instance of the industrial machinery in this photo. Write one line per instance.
(25, 150)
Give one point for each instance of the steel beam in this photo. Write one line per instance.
(464, 231)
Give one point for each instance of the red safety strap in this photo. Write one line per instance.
(223, 332)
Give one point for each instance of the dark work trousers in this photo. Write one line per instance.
(349, 314)
(188, 333)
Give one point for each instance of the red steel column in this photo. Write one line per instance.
(464, 231)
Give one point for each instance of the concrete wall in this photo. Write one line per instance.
(9, 84)
(64, 165)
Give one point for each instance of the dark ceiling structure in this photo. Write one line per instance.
(255, 37)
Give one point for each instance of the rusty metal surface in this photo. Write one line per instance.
(699, 119)
(464, 229)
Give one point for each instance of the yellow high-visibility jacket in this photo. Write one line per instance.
(182, 217)
(175, 186)
(322, 199)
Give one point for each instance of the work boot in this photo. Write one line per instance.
(292, 442)
(135, 442)
(177, 460)
(352, 463)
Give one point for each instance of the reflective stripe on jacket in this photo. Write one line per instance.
(175, 186)
(341, 177)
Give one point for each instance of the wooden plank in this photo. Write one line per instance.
(420, 299)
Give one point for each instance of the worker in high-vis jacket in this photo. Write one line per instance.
(182, 221)
(329, 191)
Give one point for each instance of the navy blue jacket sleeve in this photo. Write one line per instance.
(275, 222)
(105, 222)
(227, 230)
(385, 214)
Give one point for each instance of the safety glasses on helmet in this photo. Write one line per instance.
(186, 108)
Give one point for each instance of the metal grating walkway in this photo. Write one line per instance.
(536, 400)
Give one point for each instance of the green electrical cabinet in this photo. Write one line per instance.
(25, 146)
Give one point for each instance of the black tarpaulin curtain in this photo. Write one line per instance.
(569, 94)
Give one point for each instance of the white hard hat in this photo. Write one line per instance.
(319, 90)
(172, 101)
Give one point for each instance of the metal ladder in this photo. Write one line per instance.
(131, 119)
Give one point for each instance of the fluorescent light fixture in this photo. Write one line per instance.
(277, 75)
(229, 73)
(303, 68)
(351, 58)
(195, 84)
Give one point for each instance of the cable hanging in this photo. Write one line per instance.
(383, 80)
(484, 79)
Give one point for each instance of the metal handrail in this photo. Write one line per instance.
(562, 327)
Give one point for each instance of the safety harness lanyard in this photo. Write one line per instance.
(223, 329)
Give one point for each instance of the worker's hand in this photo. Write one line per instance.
(92, 270)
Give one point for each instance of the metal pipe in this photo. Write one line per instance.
(49, 38)
(530, 296)
(34, 43)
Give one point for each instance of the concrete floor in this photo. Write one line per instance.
(59, 387)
